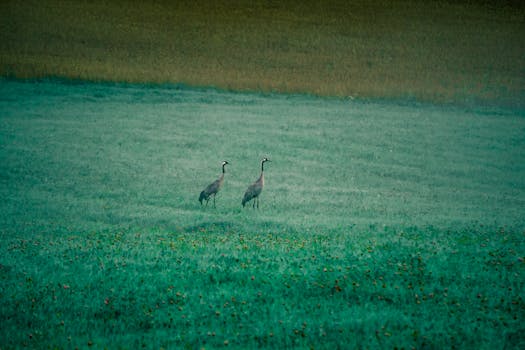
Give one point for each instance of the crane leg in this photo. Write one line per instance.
(214, 202)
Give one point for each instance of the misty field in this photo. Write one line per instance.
(383, 224)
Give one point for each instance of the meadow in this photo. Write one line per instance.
(383, 223)
(460, 52)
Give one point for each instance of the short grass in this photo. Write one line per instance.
(461, 51)
(382, 225)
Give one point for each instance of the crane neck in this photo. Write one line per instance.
(223, 169)
(261, 178)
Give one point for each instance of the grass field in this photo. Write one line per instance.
(382, 225)
(464, 52)
(393, 212)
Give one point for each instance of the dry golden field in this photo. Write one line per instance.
(441, 51)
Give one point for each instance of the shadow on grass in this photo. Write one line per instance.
(224, 227)
(218, 227)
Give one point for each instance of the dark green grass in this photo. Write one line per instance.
(382, 224)
(377, 288)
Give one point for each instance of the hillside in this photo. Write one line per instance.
(459, 52)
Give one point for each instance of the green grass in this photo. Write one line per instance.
(415, 288)
(383, 224)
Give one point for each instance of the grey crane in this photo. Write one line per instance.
(255, 189)
(213, 188)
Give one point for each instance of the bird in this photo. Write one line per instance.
(255, 189)
(214, 187)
